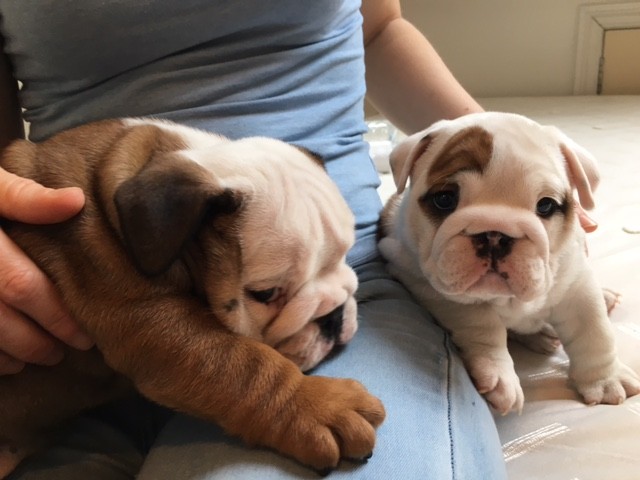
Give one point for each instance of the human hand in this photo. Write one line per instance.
(33, 318)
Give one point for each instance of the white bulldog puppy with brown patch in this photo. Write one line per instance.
(486, 237)
(209, 273)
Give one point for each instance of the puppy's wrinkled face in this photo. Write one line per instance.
(278, 272)
(491, 204)
(255, 226)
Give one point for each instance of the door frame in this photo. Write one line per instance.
(593, 20)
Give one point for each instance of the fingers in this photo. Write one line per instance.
(586, 222)
(32, 316)
(27, 201)
(25, 288)
(9, 365)
(24, 342)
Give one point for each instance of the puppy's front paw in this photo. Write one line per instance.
(612, 389)
(328, 419)
(498, 382)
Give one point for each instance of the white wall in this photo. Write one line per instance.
(505, 47)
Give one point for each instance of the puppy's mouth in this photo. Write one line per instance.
(320, 337)
(491, 284)
(482, 253)
(470, 270)
(493, 248)
(331, 324)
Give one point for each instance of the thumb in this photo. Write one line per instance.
(26, 201)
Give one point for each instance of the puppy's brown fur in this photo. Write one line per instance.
(139, 296)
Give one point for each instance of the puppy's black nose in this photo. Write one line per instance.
(331, 324)
(495, 245)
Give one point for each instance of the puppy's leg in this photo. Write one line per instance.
(181, 359)
(482, 340)
(587, 336)
(545, 341)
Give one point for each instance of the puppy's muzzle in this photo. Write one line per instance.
(331, 324)
(318, 338)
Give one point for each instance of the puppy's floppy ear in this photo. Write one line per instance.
(163, 207)
(406, 153)
(581, 167)
(404, 156)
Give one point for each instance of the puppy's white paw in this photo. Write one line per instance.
(545, 341)
(498, 382)
(612, 389)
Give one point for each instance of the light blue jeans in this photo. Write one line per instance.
(437, 425)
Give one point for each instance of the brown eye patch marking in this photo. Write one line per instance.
(468, 150)
(440, 201)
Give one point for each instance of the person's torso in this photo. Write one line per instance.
(288, 69)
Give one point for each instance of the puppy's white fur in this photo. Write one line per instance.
(295, 244)
(493, 262)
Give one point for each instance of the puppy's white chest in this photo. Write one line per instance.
(523, 317)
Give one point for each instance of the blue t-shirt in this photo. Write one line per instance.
(289, 69)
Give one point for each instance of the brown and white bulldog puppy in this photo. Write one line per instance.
(486, 237)
(194, 256)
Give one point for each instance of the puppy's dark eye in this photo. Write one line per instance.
(546, 207)
(264, 296)
(441, 200)
(445, 201)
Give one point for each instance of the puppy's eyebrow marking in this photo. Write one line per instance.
(469, 149)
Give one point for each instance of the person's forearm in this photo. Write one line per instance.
(408, 82)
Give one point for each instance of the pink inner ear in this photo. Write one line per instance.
(582, 174)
